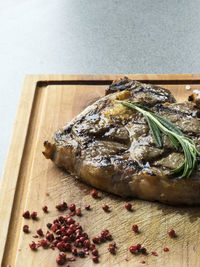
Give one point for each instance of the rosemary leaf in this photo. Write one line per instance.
(156, 133)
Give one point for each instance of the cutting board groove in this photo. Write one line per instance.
(29, 181)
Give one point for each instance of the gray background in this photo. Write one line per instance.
(92, 36)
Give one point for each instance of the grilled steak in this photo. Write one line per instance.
(110, 146)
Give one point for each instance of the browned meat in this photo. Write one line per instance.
(110, 147)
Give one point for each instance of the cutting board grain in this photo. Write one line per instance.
(30, 181)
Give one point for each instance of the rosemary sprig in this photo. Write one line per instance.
(158, 126)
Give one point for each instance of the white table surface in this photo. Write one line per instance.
(92, 36)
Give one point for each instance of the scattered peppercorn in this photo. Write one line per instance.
(111, 249)
(72, 207)
(26, 229)
(33, 245)
(71, 259)
(171, 233)
(143, 262)
(61, 260)
(49, 237)
(87, 207)
(105, 208)
(68, 233)
(143, 250)
(34, 215)
(35, 236)
(49, 225)
(86, 243)
(40, 232)
(70, 221)
(133, 249)
(74, 252)
(165, 249)
(94, 193)
(138, 246)
(128, 206)
(45, 209)
(154, 253)
(135, 228)
(95, 259)
(78, 212)
(26, 214)
(62, 206)
(104, 232)
(43, 243)
(95, 252)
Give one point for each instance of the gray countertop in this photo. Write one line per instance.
(92, 36)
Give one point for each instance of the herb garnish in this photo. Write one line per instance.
(159, 125)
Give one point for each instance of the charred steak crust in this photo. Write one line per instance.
(110, 147)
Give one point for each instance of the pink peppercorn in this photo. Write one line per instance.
(70, 221)
(143, 250)
(74, 252)
(94, 193)
(34, 215)
(133, 249)
(95, 259)
(105, 208)
(101, 238)
(154, 253)
(68, 247)
(60, 260)
(165, 249)
(72, 227)
(44, 243)
(142, 261)
(45, 209)
(138, 246)
(69, 231)
(35, 236)
(128, 206)
(87, 207)
(104, 232)
(61, 246)
(171, 233)
(86, 243)
(26, 228)
(72, 207)
(26, 214)
(49, 237)
(135, 228)
(49, 225)
(78, 212)
(95, 252)
(71, 259)
(77, 243)
(40, 232)
(33, 245)
(111, 249)
(62, 206)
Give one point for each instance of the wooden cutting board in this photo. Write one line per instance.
(30, 181)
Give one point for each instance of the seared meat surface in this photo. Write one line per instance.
(110, 146)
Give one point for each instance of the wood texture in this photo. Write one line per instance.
(29, 181)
